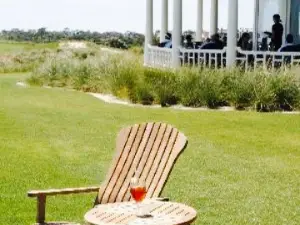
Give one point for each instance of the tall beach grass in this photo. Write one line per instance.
(125, 76)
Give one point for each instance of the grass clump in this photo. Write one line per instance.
(190, 88)
(200, 87)
(163, 85)
(24, 61)
(286, 90)
(124, 80)
(137, 50)
(124, 76)
(238, 88)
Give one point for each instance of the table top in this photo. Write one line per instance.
(124, 213)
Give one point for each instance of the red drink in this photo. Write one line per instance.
(138, 193)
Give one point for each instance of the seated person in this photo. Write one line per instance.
(198, 44)
(264, 46)
(214, 43)
(289, 43)
(189, 44)
(243, 42)
(167, 42)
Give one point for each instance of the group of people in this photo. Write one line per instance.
(244, 42)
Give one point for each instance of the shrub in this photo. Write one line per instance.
(23, 61)
(137, 50)
(286, 89)
(264, 93)
(124, 80)
(211, 88)
(163, 85)
(190, 88)
(144, 94)
(35, 80)
(124, 76)
(97, 84)
(201, 87)
(238, 88)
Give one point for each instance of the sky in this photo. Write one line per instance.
(107, 15)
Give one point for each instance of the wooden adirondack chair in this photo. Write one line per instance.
(151, 148)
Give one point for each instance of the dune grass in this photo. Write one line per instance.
(124, 76)
(24, 57)
(238, 168)
(9, 47)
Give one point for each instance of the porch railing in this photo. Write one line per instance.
(162, 57)
(203, 57)
(159, 57)
(267, 59)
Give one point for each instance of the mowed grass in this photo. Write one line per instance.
(9, 47)
(238, 168)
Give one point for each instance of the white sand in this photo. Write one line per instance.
(114, 100)
(73, 45)
(21, 84)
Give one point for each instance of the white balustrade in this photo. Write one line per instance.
(162, 58)
(266, 59)
(203, 57)
(159, 57)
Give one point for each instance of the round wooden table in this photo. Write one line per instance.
(124, 213)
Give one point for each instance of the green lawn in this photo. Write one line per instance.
(239, 167)
(8, 47)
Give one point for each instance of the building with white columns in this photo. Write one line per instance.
(289, 11)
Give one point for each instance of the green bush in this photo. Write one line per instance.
(24, 61)
(124, 76)
(190, 88)
(137, 50)
(201, 87)
(144, 94)
(211, 88)
(286, 88)
(238, 88)
(163, 84)
(264, 93)
(83, 54)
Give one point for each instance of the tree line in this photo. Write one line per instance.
(42, 35)
(112, 39)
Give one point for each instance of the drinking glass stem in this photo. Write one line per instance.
(139, 208)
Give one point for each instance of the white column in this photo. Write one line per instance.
(255, 24)
(262, 7)
(288, 16)
(164, 20)
(177, 32)
(231, 32)
(149, 29)
(283, 15)
(214, 17)
(199, 30)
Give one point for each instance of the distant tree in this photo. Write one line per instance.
(41, 34)
(112, 39)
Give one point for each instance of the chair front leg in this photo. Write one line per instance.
(41, 208)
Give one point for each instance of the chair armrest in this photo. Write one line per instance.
(162, 199)
(41, 196)
(65, 191)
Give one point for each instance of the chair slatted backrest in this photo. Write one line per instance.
(151, 149)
